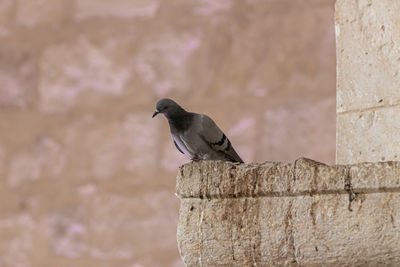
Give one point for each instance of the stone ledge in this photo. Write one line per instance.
(304, 213)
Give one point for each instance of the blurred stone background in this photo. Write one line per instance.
(88, 178)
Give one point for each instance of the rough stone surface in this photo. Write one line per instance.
(368, 135)
(18, 78)
(86, 67)
(303, 213)
(120, 8)
(86, 176)
(51, 12)
(6, 17)
(368, 78)
(45, 158)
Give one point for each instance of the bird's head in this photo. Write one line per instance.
(168, 107)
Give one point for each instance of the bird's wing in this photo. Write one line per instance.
(216, 139)
(178, 147)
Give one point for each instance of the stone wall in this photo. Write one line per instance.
(368, 80)
(299, 214)
(87, 177)
(307, 213)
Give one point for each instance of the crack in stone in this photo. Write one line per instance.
(374, 108)
(200, 223)
(289, 233)
(255, 237)
(232, 244)
(349, 189)
(200, 233)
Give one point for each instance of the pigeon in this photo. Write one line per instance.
(196, 135)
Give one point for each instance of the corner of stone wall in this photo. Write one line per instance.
(299, 213)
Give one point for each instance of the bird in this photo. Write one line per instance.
(196, 135)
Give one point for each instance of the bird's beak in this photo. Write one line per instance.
(155, 113)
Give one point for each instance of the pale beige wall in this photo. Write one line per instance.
(368, 80)
(88, 178)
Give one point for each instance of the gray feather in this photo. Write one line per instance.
(217, 140)
(178, 147)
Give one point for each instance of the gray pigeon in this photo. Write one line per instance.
(196, 135)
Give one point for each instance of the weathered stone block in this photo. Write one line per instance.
(44, 158)
(6, 17)
(18, 77)
(33, 13)
(367, 59)
(86, 9)
(376, 176)
(305, 213)
(368, 78)
(87, 67)
(17, 239)
(311, 176)
(370, 135)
